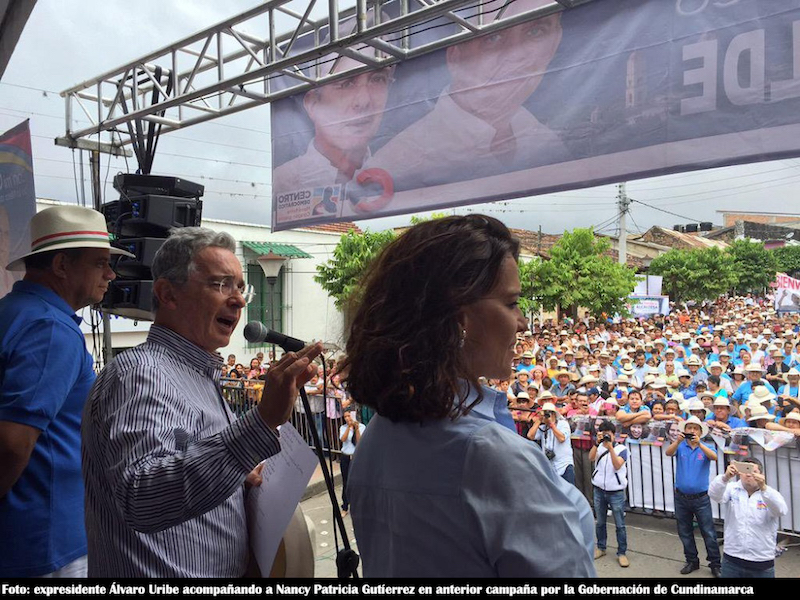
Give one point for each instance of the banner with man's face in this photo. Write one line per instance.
(613, 90)
(787, 293)
(17, 200)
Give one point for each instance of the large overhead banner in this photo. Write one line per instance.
(612, 90)
(17, 200)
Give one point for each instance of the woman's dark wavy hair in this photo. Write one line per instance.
(403, 354)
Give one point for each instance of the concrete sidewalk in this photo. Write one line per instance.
(317, 484)
(654, 549)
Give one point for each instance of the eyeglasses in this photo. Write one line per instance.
(228, 288)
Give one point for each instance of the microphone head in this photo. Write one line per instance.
(255, 332)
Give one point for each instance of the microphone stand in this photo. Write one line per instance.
(346, 560)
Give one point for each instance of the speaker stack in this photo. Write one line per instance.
(148, 207)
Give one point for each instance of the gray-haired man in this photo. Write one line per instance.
(164, 460)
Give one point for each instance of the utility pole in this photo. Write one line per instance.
(97, 202)
(624, 204)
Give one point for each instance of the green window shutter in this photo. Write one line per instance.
(259, 309)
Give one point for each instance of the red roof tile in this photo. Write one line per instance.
(335, 227)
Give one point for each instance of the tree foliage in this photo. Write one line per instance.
(754, 266)
(528, 271)
(788, 259)
(698, 275)
(341, 275)
(579, 273)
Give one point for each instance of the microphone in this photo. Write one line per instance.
(256, 332)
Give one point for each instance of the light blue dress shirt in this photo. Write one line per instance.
(465, 498)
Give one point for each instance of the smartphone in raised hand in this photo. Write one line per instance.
(744, 468)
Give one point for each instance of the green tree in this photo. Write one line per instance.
(342, 274)
(580, 274)
(788, 258)
(695, 274)
(754, 266)
(528, 272)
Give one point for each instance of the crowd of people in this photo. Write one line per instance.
(142, 470)
(674, 379)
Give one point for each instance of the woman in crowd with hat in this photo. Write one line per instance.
(441, 484)
(791, 422)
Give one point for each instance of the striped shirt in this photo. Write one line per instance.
(164, 463)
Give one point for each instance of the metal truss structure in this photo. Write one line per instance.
(227, 68)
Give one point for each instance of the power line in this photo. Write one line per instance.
(667, 187)
(188, 176)
(664, 211)
(729, 189)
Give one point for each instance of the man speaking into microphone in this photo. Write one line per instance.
(164, 461)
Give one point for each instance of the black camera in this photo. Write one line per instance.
(549, 454)
(689, 436)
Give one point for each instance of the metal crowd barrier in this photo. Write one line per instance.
(241, 394)
(651, 479)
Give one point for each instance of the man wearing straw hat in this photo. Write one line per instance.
(46, 373)
(754, 373)
(693, 460)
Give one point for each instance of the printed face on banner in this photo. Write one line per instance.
(347, 113)
(493, 75)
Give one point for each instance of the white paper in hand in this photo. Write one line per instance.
(271, 505)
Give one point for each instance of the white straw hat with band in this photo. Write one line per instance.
(63, 227)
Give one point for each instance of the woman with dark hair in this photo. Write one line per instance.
(441, 483)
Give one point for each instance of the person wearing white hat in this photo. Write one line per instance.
(609, 481)
(723, 419)
(553, 432)
(754, 373)
(754, 510)
(791, 422)
(607, 372)
(789, 393)
(693, 460)
(46, 376)
(777, 369)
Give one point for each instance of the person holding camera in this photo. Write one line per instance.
(552, 431)
(693, 460)
(609, 479)
(751, 524)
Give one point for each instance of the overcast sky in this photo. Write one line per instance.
(69, 41)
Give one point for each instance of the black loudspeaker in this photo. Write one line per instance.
(149, 206)
(151, 215)
(130, 184)
(131, 298)
(145, 249)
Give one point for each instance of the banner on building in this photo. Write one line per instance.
(647, 306)
(17, 200)
(787, 293)
(612, 90)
